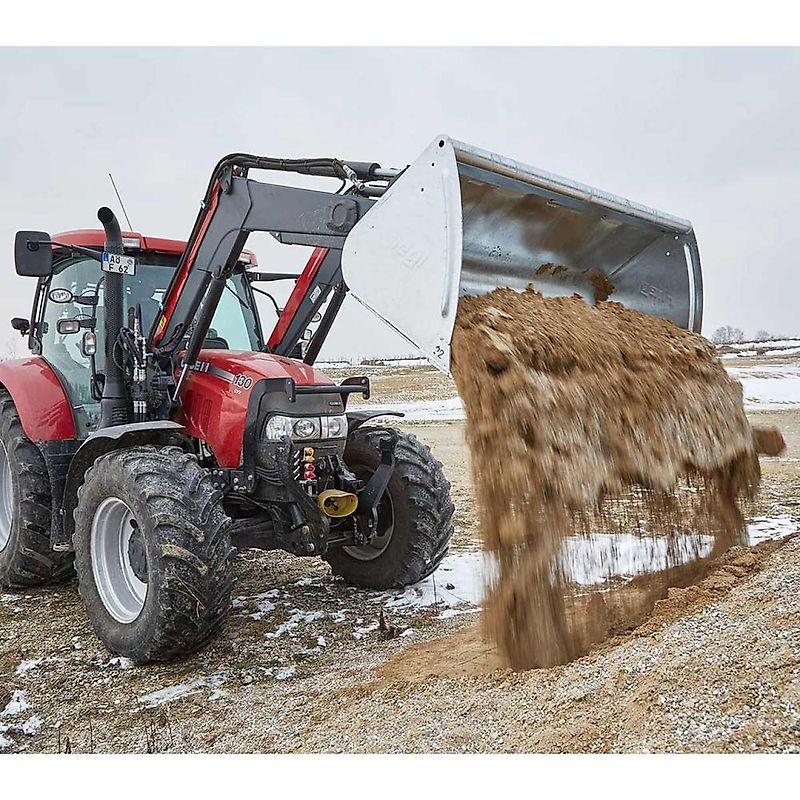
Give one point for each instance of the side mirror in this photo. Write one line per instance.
(20, 324)
(33, 254)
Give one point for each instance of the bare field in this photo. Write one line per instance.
(308, 664)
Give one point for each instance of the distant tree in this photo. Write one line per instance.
(763, 336)
(727, 335)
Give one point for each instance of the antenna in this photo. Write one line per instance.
(116, 191)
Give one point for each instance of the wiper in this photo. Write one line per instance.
(267, 294)
(241, 302)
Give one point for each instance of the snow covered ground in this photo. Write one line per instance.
(11, 721)
(769, 387)
(762, 349)
(766, 388)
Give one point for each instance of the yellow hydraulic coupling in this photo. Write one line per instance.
(335, 503)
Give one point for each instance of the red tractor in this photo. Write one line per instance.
(155, 427)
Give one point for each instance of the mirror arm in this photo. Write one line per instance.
(86, 251)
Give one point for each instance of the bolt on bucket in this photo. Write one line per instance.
(464, 221)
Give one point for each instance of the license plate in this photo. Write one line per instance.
(124, 265)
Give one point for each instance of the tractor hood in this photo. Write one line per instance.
(216, 394)
(235, 367)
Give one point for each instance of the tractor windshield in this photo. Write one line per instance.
(235, 325)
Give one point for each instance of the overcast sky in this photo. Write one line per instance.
(708, 134)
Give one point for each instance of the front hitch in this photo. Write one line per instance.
(307, 519)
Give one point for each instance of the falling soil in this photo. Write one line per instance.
(602, 288)
(585, 419)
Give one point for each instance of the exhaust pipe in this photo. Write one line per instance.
(114, 403)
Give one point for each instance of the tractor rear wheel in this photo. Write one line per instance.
(26, 558)
(415, 514)
(152, 553)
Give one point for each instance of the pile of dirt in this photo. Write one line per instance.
(594, 418)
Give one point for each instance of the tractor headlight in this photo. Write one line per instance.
(305, 428)
(334, 427)
(277, 427)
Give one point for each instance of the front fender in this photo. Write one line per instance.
(358, 416)
(115, 437)
(42, 404)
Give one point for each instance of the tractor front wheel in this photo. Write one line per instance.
(415, 514)
(152, 553)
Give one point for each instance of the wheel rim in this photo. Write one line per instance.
(122, 592)
(380, 541)
(6, 497)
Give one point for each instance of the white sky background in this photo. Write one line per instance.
(709, 134)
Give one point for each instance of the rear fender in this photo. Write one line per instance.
(115, 437)
(42, 404)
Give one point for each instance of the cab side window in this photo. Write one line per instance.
(63, 351)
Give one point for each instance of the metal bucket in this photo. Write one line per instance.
(464, 221)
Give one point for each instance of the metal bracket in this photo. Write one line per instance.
(370, 496)
(233, 480)
(226, 180)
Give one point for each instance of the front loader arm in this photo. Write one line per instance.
(234, 207)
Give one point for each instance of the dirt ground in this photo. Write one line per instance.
(303, 664)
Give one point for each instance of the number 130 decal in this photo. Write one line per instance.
(242, 381)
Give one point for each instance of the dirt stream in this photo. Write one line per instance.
(595, 418)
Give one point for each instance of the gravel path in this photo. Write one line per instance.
(724, 677)
(717, 668)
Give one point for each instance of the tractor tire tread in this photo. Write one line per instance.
(427, 493)
(28, 560)
(190, 535)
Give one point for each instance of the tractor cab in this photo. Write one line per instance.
(67, 320)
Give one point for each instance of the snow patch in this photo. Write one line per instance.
(460, 582)
(360, 633)
(464, 572)
(261, 602)
(281, 673)
(593, 559)
(760, 529)
(32, 725)
(297, 619)
(457, 612)
(16, 705)
(767, 387)
(425, 410)
(179, 690)
(25, 666)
